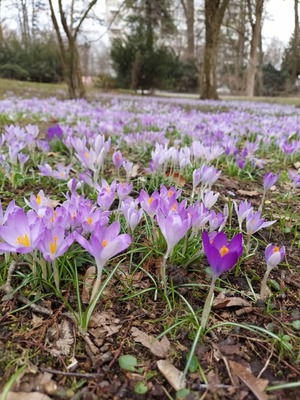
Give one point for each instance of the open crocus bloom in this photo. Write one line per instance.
(220, 254)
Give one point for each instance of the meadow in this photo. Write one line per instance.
(149, 247)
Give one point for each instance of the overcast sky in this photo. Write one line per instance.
(280, 21)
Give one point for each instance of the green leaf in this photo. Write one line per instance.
(275, 285)
(296, 324)
(194, 364)
(128, 362)
(140, 388)
(182, 393)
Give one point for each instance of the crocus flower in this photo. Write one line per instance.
(209, 198)
(254, 222)
(269, 180)
(54, 243)
(274, 255)
(131, 213)
(173, 227)
(18, 234)
(117, 159)
(149, 203)
(220, 254)
(221, 257)
(54, 131)
(104, 243)
(242, 210)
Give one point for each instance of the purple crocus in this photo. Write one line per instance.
(18, 234)
(274, 255)
(117, 159)
(54, 243)
(220, 254)
(54, 131)
(269, 180)
(104, 243)
(242, 210)
(131, 213)
(173, 227)
(254, 222)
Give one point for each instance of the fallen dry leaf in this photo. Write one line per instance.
(177, 178)
(27, 396)
(159, 348)
(221, 301)
(256, 385)
(61, 339)
(104, 323)
(172, 374)
(249, 193)
(36, 321)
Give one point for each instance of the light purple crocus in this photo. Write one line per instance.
(131, 213)
(274, 255)
(117, 159)
(104, 243)
(254, 222)
(54, 243)
(18, 234)
(242, 210)
(221, 255)
(173, 228)
(269, 180)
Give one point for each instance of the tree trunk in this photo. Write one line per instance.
(69, 53)
(256, 31)
(294, 66)
(189, 13)
(214, 13)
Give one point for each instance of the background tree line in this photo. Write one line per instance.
(223, 46)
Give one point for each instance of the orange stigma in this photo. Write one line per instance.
(224, 250)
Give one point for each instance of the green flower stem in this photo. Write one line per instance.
(262, 201)
(263, 287)
(208, 304)
(248, 244)
(55, 275)
(201, 328)
(163, 271)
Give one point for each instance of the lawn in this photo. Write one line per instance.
(149, 247)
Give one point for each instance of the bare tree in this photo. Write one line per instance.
(255, 11)
(214, 13)
(189, 13)
(68, 47)
(294, 60)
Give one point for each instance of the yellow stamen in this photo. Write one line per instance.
(53, 245)
(174, 207)
(150, 201)
(89, 220)
(87, 154)
(38, 199)
(276, 249)
(104, 243)
(24, 240)
(108, 189)
(170, 193)
(62, 174)
(224, 250)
